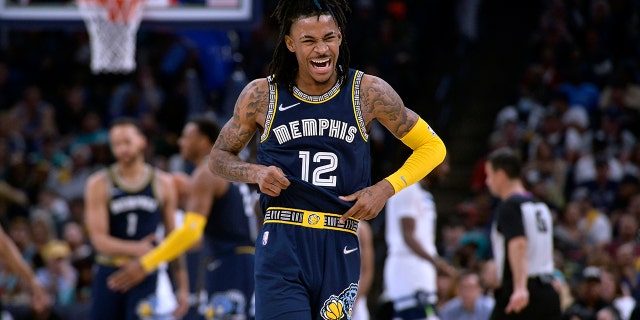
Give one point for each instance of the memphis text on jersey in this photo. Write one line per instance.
(315, 127)
(133, 203)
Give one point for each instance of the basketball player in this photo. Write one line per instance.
(522, 240)
(12, 258)
(125, 203)
(229, 240)
(412, 261)
(313, 162)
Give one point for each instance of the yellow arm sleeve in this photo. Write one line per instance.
(428, 152)
(178, 241)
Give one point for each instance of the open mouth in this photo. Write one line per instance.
(320, 63)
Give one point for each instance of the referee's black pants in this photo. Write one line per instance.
(544, 301)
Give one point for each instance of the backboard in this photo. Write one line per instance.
(208, 14)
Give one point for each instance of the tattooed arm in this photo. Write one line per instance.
(381, 102)
(248, 116)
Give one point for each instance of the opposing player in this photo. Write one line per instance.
(229, 232)
(313, 115)
(412, 262)
(125, 203)
(522, 240)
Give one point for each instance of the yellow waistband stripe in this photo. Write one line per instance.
(245, 250)
(111, 261)
(310, 219)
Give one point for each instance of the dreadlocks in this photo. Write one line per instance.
(284, 64)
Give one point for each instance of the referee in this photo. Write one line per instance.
(522, 243)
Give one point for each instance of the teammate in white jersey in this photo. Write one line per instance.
(522, 240)
(412, 261)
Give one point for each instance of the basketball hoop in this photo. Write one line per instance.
(112, 27)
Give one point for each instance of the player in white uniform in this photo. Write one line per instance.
(412, 260)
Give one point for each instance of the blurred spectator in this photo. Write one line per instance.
(619, 299)
(137, 98)
(619, 141)
(77, 241)
(473, 249)
(91, 132)
(529, 107)
(72, 110)
(489, 276)
(43, 231)
(579, 91)
(470, 303)
(560, 282)
(626, 232)
(632, 167)
(577, 135)
(545, 174)
(628, 188)
(626, 263)
(594, 224)
(69, 181)
(446, 289)
(49, 203)
(508, 129)
(12, 143)
(451, 234)
(589, 298)
(607, 313)
(569, 238)
(81, 259)
(20, 232)
(619, 96)
(623, 94)
(585, 168)
(58, 276)
(551, 130)
(602, 190)
(34, 117)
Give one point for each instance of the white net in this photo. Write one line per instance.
(112, 27)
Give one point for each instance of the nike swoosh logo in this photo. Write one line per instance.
(214, 265)
(281, 108)
(347, 251)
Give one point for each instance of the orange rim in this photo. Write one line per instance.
(119, 10)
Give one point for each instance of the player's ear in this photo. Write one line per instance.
(289, 43)
(143, 142)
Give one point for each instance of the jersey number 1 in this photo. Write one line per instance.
(132, 224)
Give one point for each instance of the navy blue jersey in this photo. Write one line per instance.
(321, 144)
(133, 213)
(228, 224)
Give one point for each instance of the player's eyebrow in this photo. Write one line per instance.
(306, 36)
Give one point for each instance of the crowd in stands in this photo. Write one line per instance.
(575, 123)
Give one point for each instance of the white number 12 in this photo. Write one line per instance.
(329, 181)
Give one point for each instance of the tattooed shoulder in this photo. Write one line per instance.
(382, 102)
(253, 101)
